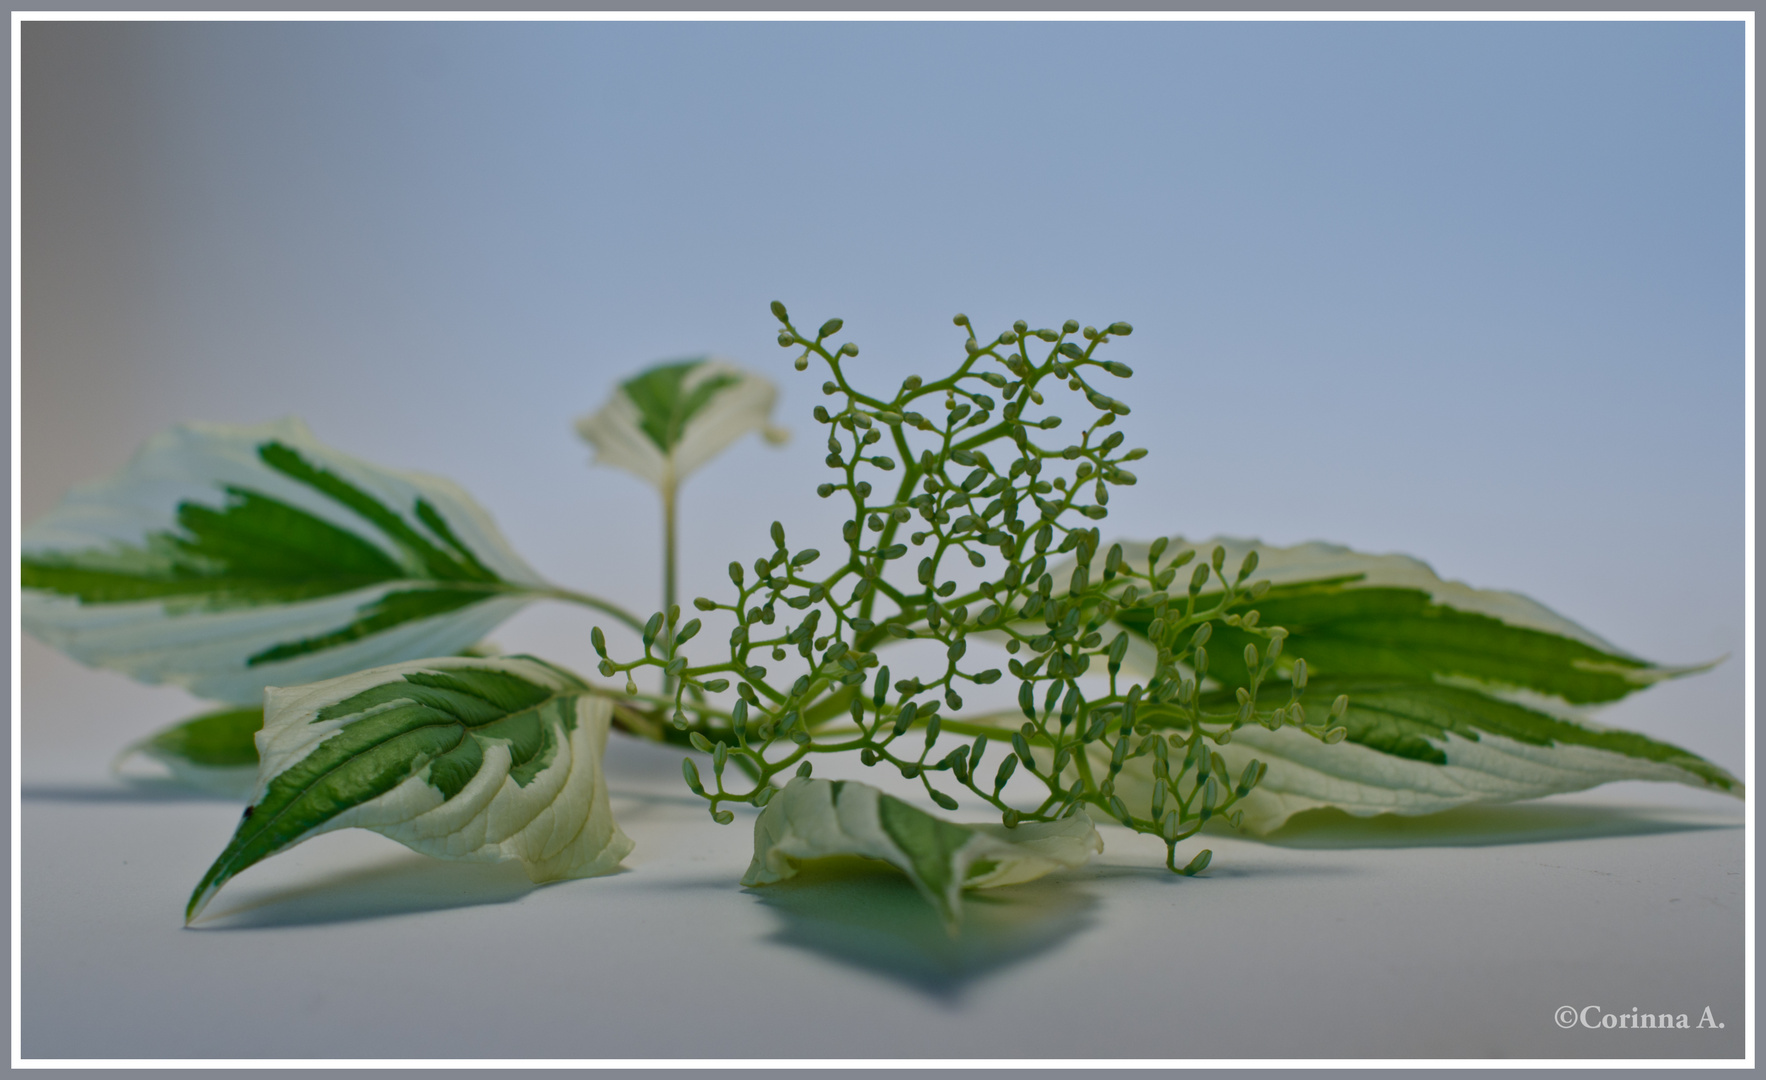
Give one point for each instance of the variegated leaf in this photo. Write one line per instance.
(1456, 695)
(1416, 748)
(1348, 613)
(816, 819)
(216, 752)
(225, 559)
(483, 759)
(665, 423)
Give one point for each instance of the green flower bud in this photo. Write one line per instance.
(1254, 770)
(690, 772)
(1006, 769)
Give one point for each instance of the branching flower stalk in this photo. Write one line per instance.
(979, 496)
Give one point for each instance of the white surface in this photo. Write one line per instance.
(1345, 942)
(1407, 247)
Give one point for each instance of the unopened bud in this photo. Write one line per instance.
(1249, 566)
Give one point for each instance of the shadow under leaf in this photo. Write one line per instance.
(400, 886)
(1483, 826)
(128, 789)
(864, 913)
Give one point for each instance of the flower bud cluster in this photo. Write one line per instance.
(967, 517)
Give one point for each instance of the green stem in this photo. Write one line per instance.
(585, 600)
(669, 505)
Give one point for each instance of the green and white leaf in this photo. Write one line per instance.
(484, 759)
(1417, 748)
(1348, 613)
(1456, 695)
(216, 752)
(226, 559)
(667, 422)
(818, 819)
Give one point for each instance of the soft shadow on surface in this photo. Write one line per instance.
(1482, 826)
(866, 914)
(638, 798)
(1221, 868)
(123, 790)
(400, 886)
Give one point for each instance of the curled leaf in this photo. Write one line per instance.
(665, 423)
(472, 758)
(816, 819)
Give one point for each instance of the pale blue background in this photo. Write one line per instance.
(1468, 291)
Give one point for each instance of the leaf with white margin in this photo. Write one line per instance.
(1417, 748)
(215, 752)
(228, 558)
(1353, 614)
(817, 819)
(484, 759)
(1456, 695)
(666, 422)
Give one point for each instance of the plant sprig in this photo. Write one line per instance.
(986, 503)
